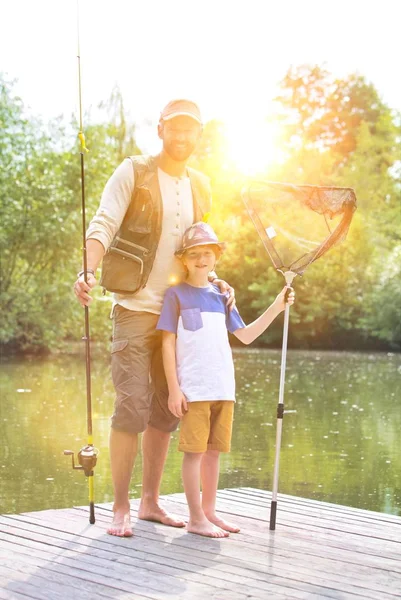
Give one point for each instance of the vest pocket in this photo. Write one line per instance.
(121, 272)
(140, 220)
(191, 319)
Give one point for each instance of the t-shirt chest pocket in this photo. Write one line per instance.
(191, 319)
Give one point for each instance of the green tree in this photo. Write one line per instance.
(42, 224)
(324, 113)
(335, 132)
(38, 224)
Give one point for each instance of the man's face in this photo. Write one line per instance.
(180, 136)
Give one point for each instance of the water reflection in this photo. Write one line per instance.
(340, 435)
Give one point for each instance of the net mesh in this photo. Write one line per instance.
(298, 223)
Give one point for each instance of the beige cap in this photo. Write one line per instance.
(178, 108)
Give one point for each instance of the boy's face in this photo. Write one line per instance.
(199, 259)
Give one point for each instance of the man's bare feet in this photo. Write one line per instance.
(226, 525)
(206, 528)
(121, 525)
(155, 513)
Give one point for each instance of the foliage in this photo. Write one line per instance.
(42, 224)
(334, 132)
(320, 112)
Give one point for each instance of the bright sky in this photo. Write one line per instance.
(228, 55)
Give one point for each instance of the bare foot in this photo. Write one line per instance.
(157, 514)
(206, 528)
(121, 525)
(226, 525)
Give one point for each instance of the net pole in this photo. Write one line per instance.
(289, 276)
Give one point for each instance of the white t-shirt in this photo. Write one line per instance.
(178, 215)
(200, 318)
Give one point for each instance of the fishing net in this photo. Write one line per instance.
(298, 223)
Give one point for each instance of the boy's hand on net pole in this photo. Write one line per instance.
(286, 296)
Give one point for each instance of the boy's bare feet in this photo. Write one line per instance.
(206, 528)
(121, 525)
(226, 525)
(153, 512)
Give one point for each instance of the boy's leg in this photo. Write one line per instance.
(210, 470)
(198, 523)
(194, 434)
(219, 441)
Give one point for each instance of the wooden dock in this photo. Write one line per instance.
(318, 550)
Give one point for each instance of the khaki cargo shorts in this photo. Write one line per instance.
(207, 425)
(138, 374)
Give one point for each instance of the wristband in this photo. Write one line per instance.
(91, 271)
(212, 276)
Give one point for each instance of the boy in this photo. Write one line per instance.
(200, 372)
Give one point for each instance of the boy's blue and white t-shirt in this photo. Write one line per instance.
(200, 319)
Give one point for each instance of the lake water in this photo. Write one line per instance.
(341, 430)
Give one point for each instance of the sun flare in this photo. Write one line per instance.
(252, 146)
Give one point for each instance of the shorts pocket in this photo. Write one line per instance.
(191, 319)
(120, 362)
(118, 346)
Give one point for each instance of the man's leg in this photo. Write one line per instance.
(155, 443)
(123, 450)
(132, 348)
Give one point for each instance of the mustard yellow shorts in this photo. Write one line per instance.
(207, 425)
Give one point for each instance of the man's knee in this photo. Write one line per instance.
(128, 418)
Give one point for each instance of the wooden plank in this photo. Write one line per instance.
(259, 538)
(361, 556)
(142, 584)
(314, 509)
(266, 496)
(256, 504)
(304, 520)
(328, 575)
(262, 585)
(28, 571)
(39, 561)
(234, 584)
(301, 540)
(341, 535)
(31, 584)
(311, 509)
(12, 595)
(262, 537)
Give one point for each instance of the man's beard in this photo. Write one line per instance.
(179, 154)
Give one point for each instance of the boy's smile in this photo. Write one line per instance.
(199, 261)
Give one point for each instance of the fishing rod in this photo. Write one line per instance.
(87, 456)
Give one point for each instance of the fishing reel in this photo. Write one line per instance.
(87, 458)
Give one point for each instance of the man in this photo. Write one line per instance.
(146, 206)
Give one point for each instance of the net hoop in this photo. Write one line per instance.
(343, 202)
